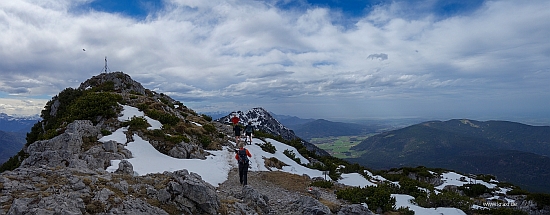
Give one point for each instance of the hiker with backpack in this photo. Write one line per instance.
(237, 130)
(248, 130)
(242, 158)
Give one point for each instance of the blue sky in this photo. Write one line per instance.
(314, 59)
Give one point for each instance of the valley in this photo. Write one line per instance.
(340, 146)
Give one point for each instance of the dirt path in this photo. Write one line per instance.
(281, 188)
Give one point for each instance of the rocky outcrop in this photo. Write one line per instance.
(120, 81)
(66, 175)
(65, 150)
(355, 209)
(262, 120)
(256, 200)
(310, 206)
(187, 151)
(76, 191)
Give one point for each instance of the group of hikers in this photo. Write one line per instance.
(248, 130)
(242, 153)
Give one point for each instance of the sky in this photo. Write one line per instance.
(215, 168)
(328, 59)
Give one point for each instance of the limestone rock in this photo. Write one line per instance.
(355, 209)
(125, 167)
(308, 205)
(255, 199)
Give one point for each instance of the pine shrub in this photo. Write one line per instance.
(322, 184)
(267, 147)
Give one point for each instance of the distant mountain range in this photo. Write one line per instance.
(13, 130)
(325, 128)
(292, 122)
(10, 144)
(319, 128)
(513, 152)
(17, 123)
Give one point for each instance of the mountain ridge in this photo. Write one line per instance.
(457, 144)
(262, 120)
(324, 128)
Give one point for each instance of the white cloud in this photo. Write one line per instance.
(22, 107)
(224, 51)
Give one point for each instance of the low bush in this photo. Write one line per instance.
(322, 184)
(136, 123)
(291, 155)
(209, 128)
(206, 117)
(542, 199)
(205, 141)
(377, 197)
(405, 211)
(474, 190)
(267, 147)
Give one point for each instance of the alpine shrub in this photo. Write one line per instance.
(322, 184)
(267, 147)
(137, 123)
(376, 197)
(292, 155)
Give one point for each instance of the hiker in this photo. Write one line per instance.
(235, 120)
(248, 130)
(237, 130)
(244, 162)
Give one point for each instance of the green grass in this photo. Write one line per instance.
(340, 146)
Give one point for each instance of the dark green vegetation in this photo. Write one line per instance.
(340, 147)
(322, 184)
(378, 198)
(291, 155)
(513, 152)
(72, 104)
(416, 183)
(267, 147)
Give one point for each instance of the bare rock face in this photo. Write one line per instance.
(66, 175)
(62, 150)
(125, 167)
(122, 83)
(256, 200)
(110, 146)
(187, 151)
(308, 205)
(76, 191)
(355, 209)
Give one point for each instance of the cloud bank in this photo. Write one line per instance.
(230, 55)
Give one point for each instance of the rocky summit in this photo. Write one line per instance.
(261, 119)
(62, 168)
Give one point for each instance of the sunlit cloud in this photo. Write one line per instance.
(254, 52)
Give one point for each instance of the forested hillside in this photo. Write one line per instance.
(513, 152)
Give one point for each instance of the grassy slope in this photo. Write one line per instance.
(340, 146)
